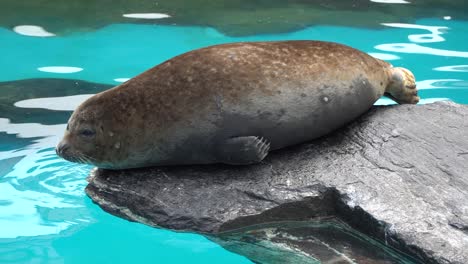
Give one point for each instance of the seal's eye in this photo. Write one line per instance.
(87, 132)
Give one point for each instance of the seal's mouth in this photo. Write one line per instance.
(64, 151)
(77, 159)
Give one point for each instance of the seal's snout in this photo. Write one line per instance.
(61, 149)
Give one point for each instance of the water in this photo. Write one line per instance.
(46, 72)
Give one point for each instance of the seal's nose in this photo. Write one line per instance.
(61, 148)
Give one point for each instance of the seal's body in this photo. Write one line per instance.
(230, 103)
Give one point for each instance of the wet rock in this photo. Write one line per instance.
(398, 174)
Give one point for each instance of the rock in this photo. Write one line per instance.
(398, 174)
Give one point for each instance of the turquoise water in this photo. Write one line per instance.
(45, 216)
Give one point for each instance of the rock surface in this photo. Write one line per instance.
(398, 174)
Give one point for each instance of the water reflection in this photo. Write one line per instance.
(60, 69)
(384, 56)
(438, 84)
(112, 62)
(121, 80)
(64, 103)
(40, 194)
(434, 36)
(391, 1)
(113, 240)
(418, 49)
(12, 93)
(328, 241)
(147, 15)
(32, 31)
(39, 185)
(234, 18)
(453, 68)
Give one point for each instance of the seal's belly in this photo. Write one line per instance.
(299, 115)
(284, 119)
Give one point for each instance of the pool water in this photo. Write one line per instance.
(45, 216)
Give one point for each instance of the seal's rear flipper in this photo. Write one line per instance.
(243, 150)
(402, 87)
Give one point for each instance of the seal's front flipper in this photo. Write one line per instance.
(243, 150)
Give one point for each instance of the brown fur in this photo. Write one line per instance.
(179, 111)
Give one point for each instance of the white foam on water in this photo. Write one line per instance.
(33, 31)
(418, 49)
(147, 15)
(384, 56)
(121, 79)
(64, 103)
(453, 68)
(60, 69)
(433, 36)
(391, 1)
(447, 17)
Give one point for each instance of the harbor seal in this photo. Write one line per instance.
(230, 103)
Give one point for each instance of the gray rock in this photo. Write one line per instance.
(398, 174)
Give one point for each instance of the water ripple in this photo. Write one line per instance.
(433, 36)
(418, 49)
(452, 68)
(39, 186)
(441, 83)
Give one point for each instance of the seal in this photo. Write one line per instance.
(230, 103)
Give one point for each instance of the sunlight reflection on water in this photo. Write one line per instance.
(64, 103)
(32, 31)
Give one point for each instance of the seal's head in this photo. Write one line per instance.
(90, 136)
